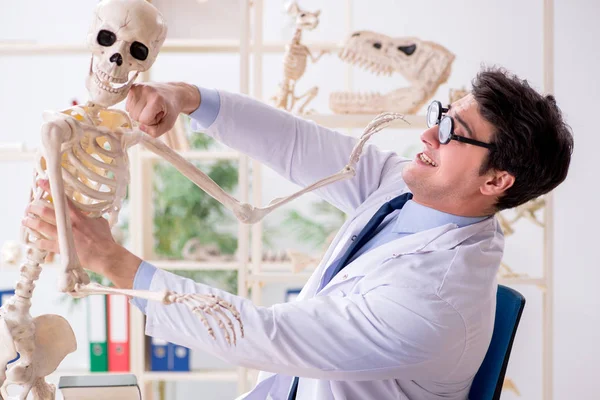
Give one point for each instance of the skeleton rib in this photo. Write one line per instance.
(86, 190)
(89, 173)
(82, 154)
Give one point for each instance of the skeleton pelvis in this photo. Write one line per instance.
(54, 340)
(7, 348)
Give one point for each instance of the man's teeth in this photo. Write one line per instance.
(427, 160)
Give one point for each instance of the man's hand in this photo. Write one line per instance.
(156, 106)
(95, 246)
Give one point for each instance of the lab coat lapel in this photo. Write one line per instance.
(436, 239)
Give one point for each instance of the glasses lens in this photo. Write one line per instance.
(433, 113)
(444, 129)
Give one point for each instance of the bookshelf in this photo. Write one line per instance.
(252, 271)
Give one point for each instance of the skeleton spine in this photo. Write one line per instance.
(17, 316)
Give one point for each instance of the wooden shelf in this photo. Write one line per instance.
(195, 265)
(17, 155)
(196, 155)
(225, 375)
(170, 46)
(275, 277)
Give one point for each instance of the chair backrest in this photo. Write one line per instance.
(488, 381)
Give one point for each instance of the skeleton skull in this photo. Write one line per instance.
(122, 47)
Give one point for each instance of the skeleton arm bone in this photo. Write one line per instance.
(56, 131)
(318, 57)
(243, 211)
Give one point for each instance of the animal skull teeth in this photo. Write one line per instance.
(425, 65)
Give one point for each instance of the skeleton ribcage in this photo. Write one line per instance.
(295, 62)
(95, 171)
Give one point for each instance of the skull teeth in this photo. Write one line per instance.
(103, 75)
(110, 83)
(367, 63)
(102, 85)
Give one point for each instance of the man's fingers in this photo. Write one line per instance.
(48, 245)
(41, 226)
(153, 112)
(44, 213)
(132, 97)
(47, 213)
(44, 184)
(137, 108)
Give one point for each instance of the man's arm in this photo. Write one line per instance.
(299, 150)
(386, 333)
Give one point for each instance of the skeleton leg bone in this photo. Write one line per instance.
(54, 134)
(310, 95)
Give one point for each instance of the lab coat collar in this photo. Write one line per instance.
(415, 217)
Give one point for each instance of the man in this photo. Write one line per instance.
(407, 314)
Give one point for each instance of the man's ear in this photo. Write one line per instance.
(497, 183)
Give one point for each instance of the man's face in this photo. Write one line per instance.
(454, 182)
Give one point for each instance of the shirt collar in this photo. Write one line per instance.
(414, 217)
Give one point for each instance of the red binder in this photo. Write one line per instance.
(118, 333)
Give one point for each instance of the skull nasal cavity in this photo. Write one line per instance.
(117, 58)
(377, 45)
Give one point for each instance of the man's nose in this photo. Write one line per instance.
(430, 137)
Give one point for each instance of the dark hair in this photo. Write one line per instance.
(533, 143)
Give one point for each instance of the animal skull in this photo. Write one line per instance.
(425, 65)
(304, 19)
(122, 47)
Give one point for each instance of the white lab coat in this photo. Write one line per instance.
(411, 319)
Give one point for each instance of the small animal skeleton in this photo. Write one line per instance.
(84, 157)
(294, 62)
(527, 211)
(426, 65)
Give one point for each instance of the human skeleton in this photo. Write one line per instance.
(425, 65)
(294, 62)
(84, 157)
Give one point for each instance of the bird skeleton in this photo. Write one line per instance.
(84, 157)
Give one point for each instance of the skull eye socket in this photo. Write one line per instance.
(408, 50)
(139, 51)
(106, 38)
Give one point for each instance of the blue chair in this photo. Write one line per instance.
(488, 381)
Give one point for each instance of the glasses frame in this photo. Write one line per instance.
(452, 136)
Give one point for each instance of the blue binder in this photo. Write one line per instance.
(167, 356)
(181, 358)
(5, 295)
(159, 355)
(291, 294)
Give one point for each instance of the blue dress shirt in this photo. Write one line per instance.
(412, 218)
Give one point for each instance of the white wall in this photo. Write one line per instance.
(502, 32)
(577, 266)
